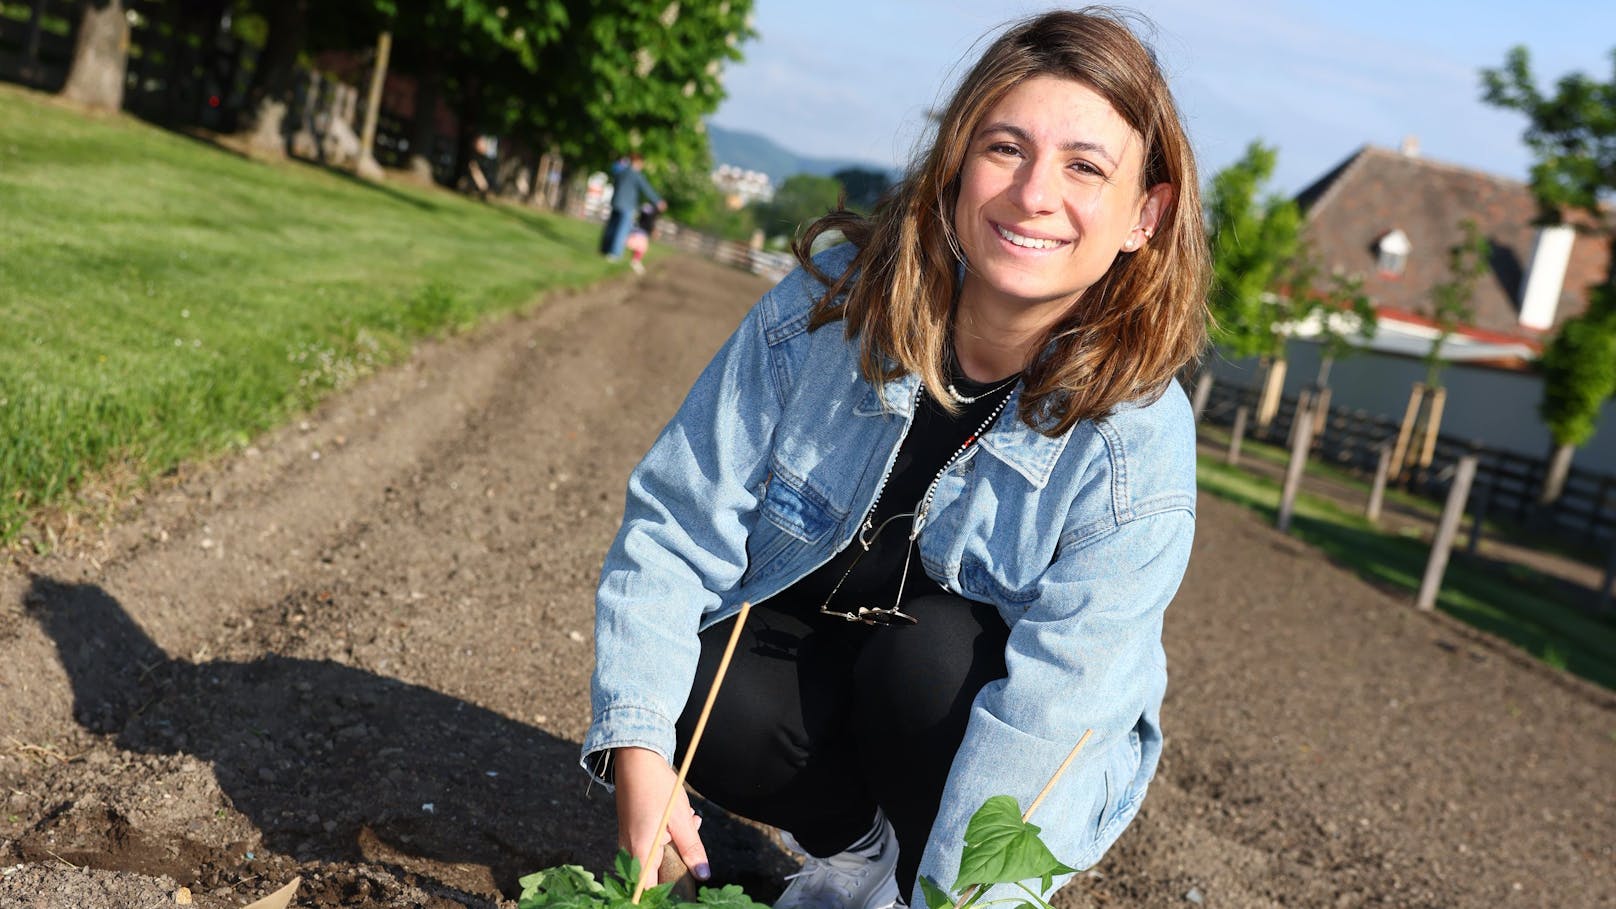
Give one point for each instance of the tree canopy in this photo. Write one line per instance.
(1572, 135)
(1252, 236)
(799, 200)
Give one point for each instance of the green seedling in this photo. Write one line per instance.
(1000, 848)
(572, 887)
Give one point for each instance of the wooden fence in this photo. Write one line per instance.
(771, 265)
(1507, 484)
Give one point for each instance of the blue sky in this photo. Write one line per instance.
(1317, 79)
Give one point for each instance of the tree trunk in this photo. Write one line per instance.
(100, 56)
(1559, 469)
(366, 165)
(424, 134)
(264, 117)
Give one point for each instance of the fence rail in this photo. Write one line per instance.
(1507, 484)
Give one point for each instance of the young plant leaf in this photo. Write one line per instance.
(562, 887)
(730, 896)
(1001, 848)
(936, 898)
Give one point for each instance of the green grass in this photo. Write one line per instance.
(162, 300)
(1519, 604)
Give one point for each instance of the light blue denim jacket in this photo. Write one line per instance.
(1080, 541)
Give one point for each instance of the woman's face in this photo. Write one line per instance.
(1049, 195)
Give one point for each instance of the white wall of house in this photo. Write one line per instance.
(1493, 406)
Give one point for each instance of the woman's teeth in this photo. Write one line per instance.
(1028, 242)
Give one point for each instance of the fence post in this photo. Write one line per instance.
(1321, 412)
(1301, 441)
(1446, 529)
(1303, 411)
(1480, 515)
(1377, 492)
(1237, 433)
(1203, 391)
(1603, 602)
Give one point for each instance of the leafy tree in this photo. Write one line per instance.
(799, 200)
(1252, 239)
(1450, 300)
(635, 75)
(864, 187)
(1572, 134)
(100, 56)
(1337, 302)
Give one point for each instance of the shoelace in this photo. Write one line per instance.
(842, 878)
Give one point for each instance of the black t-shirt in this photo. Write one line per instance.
(933, 439)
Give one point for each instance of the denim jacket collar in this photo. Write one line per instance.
(1029, 452)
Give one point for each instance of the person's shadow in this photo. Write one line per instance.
(333, 763)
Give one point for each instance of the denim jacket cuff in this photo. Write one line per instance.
(624, 726)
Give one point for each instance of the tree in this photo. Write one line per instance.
(1337, 305)
(100, 56)
(1450, 300)
(1572, 134)
(799, 200)
(636, 75)
(262, 124)
(863, 187)
(1252, 239)
(1450, 310)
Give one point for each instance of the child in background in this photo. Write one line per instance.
(639, 239)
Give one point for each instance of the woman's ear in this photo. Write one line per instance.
(1155, 203)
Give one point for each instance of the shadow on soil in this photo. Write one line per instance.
(337, 764)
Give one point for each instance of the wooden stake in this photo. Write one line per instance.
(1447, 527)
(646, 869)
(1027, 815)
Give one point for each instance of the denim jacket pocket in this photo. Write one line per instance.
(793, 515)
(978, 583)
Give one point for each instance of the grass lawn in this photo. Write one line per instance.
(162, 300)
(1513, 602)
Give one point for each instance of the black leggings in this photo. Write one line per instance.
(819, 721)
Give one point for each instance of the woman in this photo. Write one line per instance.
(949, 463)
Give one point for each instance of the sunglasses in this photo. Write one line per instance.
(875, 615)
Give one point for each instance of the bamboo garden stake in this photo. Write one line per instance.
(646, 868)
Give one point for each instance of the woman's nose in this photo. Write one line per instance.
(1036, 189)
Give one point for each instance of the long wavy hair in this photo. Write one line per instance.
(1127, 335)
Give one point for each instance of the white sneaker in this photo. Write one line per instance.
(859, 879)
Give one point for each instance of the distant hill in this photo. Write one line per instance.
(752, 151)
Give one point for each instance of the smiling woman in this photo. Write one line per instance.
(948, 463)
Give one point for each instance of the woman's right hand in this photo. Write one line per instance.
(643, 781)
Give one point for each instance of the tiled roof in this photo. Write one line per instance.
(1378, 190)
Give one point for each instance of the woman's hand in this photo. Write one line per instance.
(644, 780)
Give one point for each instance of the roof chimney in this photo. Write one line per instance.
(1545, 276)
(1411, 146)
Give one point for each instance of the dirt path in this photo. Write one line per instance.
(360, 653)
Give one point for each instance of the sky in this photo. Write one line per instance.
(855, 78)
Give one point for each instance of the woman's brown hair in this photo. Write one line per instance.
(1126, 335)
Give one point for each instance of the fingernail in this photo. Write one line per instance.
(701, 872)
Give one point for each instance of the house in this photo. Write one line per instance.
(1392, 216)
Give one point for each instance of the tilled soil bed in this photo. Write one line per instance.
(359, 653)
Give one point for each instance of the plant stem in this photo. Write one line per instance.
(1027, 815)
(646, 868)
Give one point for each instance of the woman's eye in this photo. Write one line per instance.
(1002, 148)
(1086, 169)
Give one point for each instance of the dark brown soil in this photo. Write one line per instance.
(359, 653)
